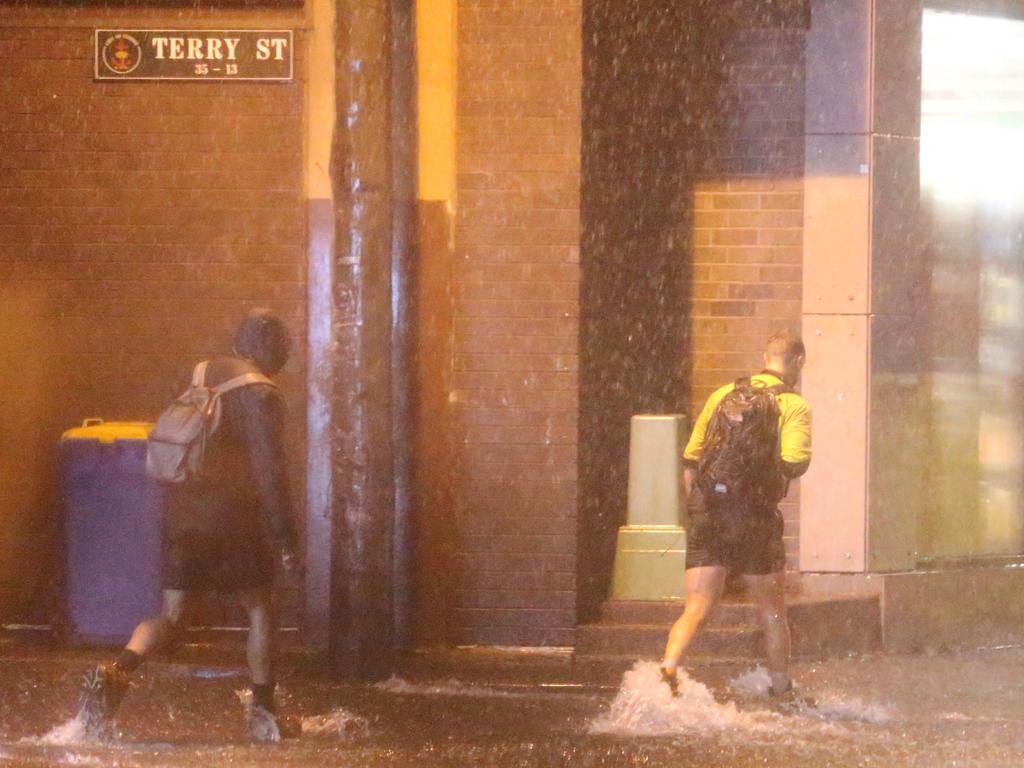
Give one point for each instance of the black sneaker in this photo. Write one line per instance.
(669, 678)
(790, 701)
(103, 689)
(267, 726)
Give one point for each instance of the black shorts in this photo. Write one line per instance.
(213, 541)
(194, 561)
(744, 542)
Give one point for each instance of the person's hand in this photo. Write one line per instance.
(292, 564)
(689, 476)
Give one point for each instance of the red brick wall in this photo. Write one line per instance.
(748, 217)
(138, 222)
(748, 201)
(515, 279)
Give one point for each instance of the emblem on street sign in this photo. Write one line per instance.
(194, 54)
(121, 53)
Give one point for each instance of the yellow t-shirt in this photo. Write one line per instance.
(794, 426)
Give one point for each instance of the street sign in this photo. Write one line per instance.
(194, 54)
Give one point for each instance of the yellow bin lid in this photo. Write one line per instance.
(109, 431)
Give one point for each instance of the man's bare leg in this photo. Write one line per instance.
(704, 588)
(104, 687)
(259, 604)
(265, 724)
(768, 595)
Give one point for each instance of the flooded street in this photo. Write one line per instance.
(886, 710)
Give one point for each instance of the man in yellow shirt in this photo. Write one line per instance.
(742, 534)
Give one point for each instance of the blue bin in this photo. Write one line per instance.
(113, 518)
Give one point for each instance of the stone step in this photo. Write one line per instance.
(835, 626)
(605, 671)
(666, 612)
(648, 640)
(821, 627)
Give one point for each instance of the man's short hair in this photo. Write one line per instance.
(785, 345)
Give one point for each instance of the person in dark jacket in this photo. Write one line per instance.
(225, 531)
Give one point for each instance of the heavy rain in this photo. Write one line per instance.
(512, 383)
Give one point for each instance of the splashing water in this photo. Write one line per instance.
(214, 674)
(72, 758)
(755, 684)
(73, 731)
(854, 708)
(644, 706)
(397, 685)
(264, 726)
(337, 722)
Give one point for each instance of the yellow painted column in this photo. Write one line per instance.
(431, 326)
(436, 63)
(320, 98)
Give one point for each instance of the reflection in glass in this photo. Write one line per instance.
(972, 188)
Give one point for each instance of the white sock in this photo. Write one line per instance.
(780, 681)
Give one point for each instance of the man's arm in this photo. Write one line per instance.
(795, 438)
(695, 445)
(689, 476)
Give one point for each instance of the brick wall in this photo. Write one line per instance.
(515, 281)
(641, 94)
(748, 207)
(691, 210)
(138, 222)
(748, 216)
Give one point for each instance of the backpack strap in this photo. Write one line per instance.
(243, 380)
(199, 374)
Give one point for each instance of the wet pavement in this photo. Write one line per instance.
(492, 709)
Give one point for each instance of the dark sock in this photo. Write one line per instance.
(263, 696)
(129, 661)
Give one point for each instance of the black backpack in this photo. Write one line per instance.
(741, 461)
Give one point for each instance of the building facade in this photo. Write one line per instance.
(499, 229)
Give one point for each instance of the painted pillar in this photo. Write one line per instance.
(864, 285)
(320, 119)
(429, 279)
(351, 522)
(431, 509)
(404, 322)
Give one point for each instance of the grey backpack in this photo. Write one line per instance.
(177, 445)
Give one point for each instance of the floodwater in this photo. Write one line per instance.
(957, 709)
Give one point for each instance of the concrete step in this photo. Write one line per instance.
(826, 627)
(605, 672)
(666, 612)
(648, 640)
(821, 626)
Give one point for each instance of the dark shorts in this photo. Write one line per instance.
(199, 563)
(214, 544)
(744, 543)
